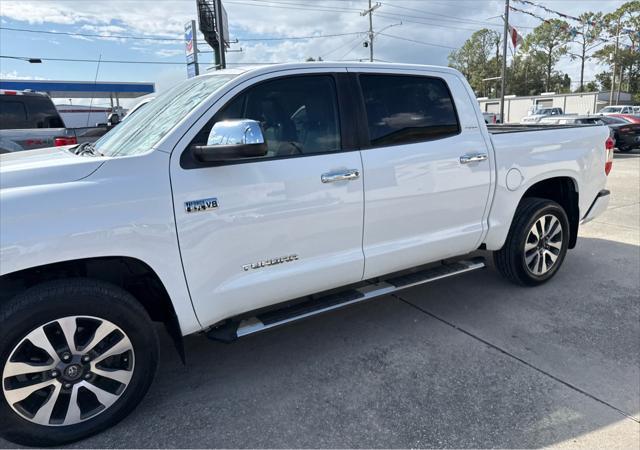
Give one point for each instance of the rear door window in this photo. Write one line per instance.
(42, 113)
(403, 109)
(13, 114)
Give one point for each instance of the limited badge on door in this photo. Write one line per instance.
(201, 205)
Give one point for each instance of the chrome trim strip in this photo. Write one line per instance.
(253, 325)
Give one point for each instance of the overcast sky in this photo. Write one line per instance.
(444, 24)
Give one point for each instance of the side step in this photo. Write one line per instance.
(232, 330)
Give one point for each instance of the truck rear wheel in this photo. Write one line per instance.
(537, 243)
(76, 357)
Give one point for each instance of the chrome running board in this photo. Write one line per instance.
(232, 330)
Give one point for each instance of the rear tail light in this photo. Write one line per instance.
(68, 140)
(609, 145)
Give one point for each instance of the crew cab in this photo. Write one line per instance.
(243, 200)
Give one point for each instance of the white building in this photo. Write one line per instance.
(515, 108)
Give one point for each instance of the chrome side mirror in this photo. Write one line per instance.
(232, 140)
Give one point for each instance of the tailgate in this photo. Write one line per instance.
(28, 139)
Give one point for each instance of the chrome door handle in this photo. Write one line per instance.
(472, 157)
(342, 175)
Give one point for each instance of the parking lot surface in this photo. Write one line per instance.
(471, 361)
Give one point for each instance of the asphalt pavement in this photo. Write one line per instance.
(471, 361)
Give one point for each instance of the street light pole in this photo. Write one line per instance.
(504, 59)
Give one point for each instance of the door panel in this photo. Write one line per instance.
(421, 203)
(278, 232)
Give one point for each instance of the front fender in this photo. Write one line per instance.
(122, 209)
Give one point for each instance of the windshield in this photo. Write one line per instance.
(146, 128)
(610, 109)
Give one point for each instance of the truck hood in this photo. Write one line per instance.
(45, 166)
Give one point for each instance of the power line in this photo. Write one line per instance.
(266, 39)
(65, 33)
(417, 42)
(445, 17)
(350, 41)
(290, 6)
(294, 38)
(114, 61)
(103, 61)
(411, 19)
(350, 50)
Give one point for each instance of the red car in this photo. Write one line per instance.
(628, 117)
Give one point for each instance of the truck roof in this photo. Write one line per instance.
(269, 68)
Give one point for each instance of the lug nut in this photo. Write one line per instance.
(86, 358)
(87, 376)
(66, 357)
(54, 374)
(67, 385)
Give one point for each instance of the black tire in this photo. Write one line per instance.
(510, 259)
(54, 301)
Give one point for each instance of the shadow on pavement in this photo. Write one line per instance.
(384, 374)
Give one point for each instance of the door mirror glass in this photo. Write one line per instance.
(232, 140)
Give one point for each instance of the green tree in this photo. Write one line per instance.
(588, 38)
(622, 25)
(548, 43)
(474, 59)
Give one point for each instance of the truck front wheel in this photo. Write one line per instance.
(537, 243)
(76, 356)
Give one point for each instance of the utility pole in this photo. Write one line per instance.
(615, 60)
(371, 34)
(504, 59)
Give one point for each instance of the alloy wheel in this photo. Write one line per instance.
(543, 245)
(68, 371)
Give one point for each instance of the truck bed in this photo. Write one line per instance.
(518, 128)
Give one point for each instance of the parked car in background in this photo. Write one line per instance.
(631, 118)
(235, 203)
(539, 113)
(636, 110)
(29, 120)
(625, 133)
(491, 118)
(616, 109)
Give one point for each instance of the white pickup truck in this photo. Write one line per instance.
(243, 200)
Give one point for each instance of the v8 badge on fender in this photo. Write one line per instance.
(201, 205)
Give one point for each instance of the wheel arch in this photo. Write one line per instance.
(131, 274)
(564, 191)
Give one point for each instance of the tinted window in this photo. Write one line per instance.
(298, 115)
(12, 113)
(42, 113)
(403, 109)
(611, 120)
